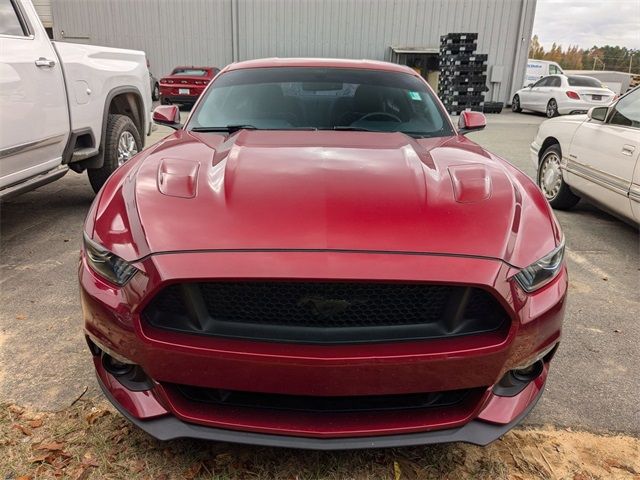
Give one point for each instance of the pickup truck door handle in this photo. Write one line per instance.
(45, 62)
(628, 150)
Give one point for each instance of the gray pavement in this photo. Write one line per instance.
(594, 382)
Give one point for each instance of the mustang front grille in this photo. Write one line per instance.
(325, 312)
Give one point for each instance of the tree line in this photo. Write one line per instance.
(595, 58)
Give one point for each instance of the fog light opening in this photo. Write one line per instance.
(129, 375)
(115, 367)
(529, 373)
(516, 380)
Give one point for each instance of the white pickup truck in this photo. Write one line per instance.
(65, 106)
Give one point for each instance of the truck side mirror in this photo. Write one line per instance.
(167, 115)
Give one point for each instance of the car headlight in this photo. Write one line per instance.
(541, 272)
(108, 265)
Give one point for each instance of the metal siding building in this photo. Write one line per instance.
(218, 32)
(43, 7)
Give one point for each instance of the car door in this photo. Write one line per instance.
(529, 96)
(603, 156)
(546, 92)
(33, 108)
(634, 192)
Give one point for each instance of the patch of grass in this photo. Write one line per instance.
(91, 441)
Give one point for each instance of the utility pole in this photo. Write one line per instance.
(630, 60)
(594, 63)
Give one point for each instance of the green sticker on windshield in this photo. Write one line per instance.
(414, 96)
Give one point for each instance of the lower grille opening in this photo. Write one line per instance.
(305, 403)
(325, 312)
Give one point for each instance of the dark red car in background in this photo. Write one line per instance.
(320, 259)
(185, 84)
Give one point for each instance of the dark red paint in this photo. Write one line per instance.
(171, 85)
(332, 206)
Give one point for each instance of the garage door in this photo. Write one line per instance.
(43, 7)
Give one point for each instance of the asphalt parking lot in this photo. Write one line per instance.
(594, 382)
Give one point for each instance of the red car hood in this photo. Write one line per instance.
(318, 190)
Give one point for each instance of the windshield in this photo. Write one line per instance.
(192, 72)
(323, 99)
(579, 81)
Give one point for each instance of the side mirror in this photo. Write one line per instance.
(530, 85)
(167, 115)
(598, 113)
(471, 122)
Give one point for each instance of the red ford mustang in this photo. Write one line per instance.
(185, 84)
(319, 259)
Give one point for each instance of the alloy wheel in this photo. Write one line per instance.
(127, 147)
(552, 108)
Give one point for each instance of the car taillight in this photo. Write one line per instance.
(573, 95)
(201, 82)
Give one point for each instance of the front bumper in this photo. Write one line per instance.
(478, 432)
(478, 362)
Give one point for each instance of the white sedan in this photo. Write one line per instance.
(595, 156)
(561, 94)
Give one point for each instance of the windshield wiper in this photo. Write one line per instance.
(235, 128)
(228, 128)
(348, 128)
(362, 129)
(418, 134)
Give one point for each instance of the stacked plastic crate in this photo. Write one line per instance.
(463, 73)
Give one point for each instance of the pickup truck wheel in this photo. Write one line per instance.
(550, 180)
(122, 142)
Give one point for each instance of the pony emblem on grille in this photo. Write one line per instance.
(326, 308)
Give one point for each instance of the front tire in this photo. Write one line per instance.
(155, 95)
(552, 108)
(515, 104)
(551, 182)
(122, 141)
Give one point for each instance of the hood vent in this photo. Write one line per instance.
(178, 177)
(471, 183)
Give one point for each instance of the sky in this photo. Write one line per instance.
(588, 22)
